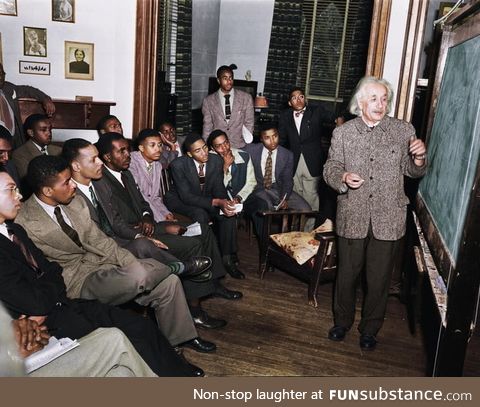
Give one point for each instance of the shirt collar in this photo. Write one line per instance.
(47, 208)
(4, 231)
(85, 189)
(116, 174)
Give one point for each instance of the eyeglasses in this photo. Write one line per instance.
(14, 190)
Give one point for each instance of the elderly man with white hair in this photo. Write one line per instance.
(368, 159)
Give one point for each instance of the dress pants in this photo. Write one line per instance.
(305, 184)
(149, 283)
(105, 352)
(377, 257)
(77, 318)
(272, 197)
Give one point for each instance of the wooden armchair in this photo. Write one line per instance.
(320, 267)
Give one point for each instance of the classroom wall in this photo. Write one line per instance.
(109, 24)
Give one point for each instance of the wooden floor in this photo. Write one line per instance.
(272, 331)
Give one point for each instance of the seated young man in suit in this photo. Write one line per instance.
(273, 166)
(199, 193)
(39, 131)
(172, 144)
(33, 287)
(94, 266)
(239, 176)
(5, 153)
(134, 211)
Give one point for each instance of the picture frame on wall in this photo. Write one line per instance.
(34, 67)
(8, 7)
(34, 42)
(79, 60)
(63, 11)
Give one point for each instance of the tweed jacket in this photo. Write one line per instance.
(283, 168)
(380, 156)
(242, 115)
(98, 251)
(149, 184)
(12, 93)
(26, 152)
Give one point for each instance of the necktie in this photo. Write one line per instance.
(124, 179)
(149, 167)
(228, 112)
(5, 111)
(102, 217)
(28, 255)
(43, 150)
(298, 114)
(267, 177)
(201, 175)
(68, 230)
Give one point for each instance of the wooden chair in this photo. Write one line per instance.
(319, 268)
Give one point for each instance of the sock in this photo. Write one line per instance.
(177, 267)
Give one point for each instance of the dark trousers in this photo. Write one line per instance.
(77, 318)
(377, 257)
(251, 207)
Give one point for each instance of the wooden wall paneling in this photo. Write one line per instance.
(378, 38)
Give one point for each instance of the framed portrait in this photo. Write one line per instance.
(34, 67)
(63, 11)
(34, 42)
(79, 60)
(8, 7)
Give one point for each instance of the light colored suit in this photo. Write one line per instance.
(101, 270)
(26, 152)
(242, 115)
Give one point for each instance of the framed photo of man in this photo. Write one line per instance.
(79, 58)
(8, 7)
(63, 11)
(34, 42)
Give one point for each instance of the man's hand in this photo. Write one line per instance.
(228, 207)
(168, 143)
(171, 217)
(158, 243)
(417, 149)
(353, 180)
(30, 336)
(175, 229)
(228, 160)
(49, 107)
(147, 225)
(284, 205)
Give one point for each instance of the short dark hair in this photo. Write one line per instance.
(213, 135)
(43, 170)
(145, 133)
(267, 126)
(295, 89)
(190, 140)
(105, 143)
(5, 134)
(33, 119)
(71, 148)
(222, 69)
(166, 122)
(103, 121)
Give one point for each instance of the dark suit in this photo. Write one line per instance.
(12, 93)
(187, 198)
(283, 178)
(128, 206)
(24, 290)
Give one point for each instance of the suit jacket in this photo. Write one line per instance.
(186, 185)
(380, 156)
(149, 184)
(309, 141)
(283, 168)
(26, 152)
(242, 115)
(98, 251)
(22, 289)
(12, 93)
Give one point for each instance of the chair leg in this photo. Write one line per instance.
(317, 270)
(264, 266)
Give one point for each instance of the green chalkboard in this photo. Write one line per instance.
(454, 144)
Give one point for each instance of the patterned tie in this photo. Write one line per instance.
(28, 255)
(267, 177)
(102, 217)
(149, 167)
(201, 175)
(43, 150)
(5, 111)
(68, 230)
(228, 112)
(297, 114)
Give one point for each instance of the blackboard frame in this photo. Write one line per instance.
(463, 278)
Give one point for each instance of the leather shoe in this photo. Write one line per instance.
(195, 371)
(367, 342)
(200, 345)
(201, 278)
(203, 320)
(195, 266)
(337, 333)
(223, 292)
(235, 273)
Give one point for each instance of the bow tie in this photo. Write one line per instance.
(297, 114)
